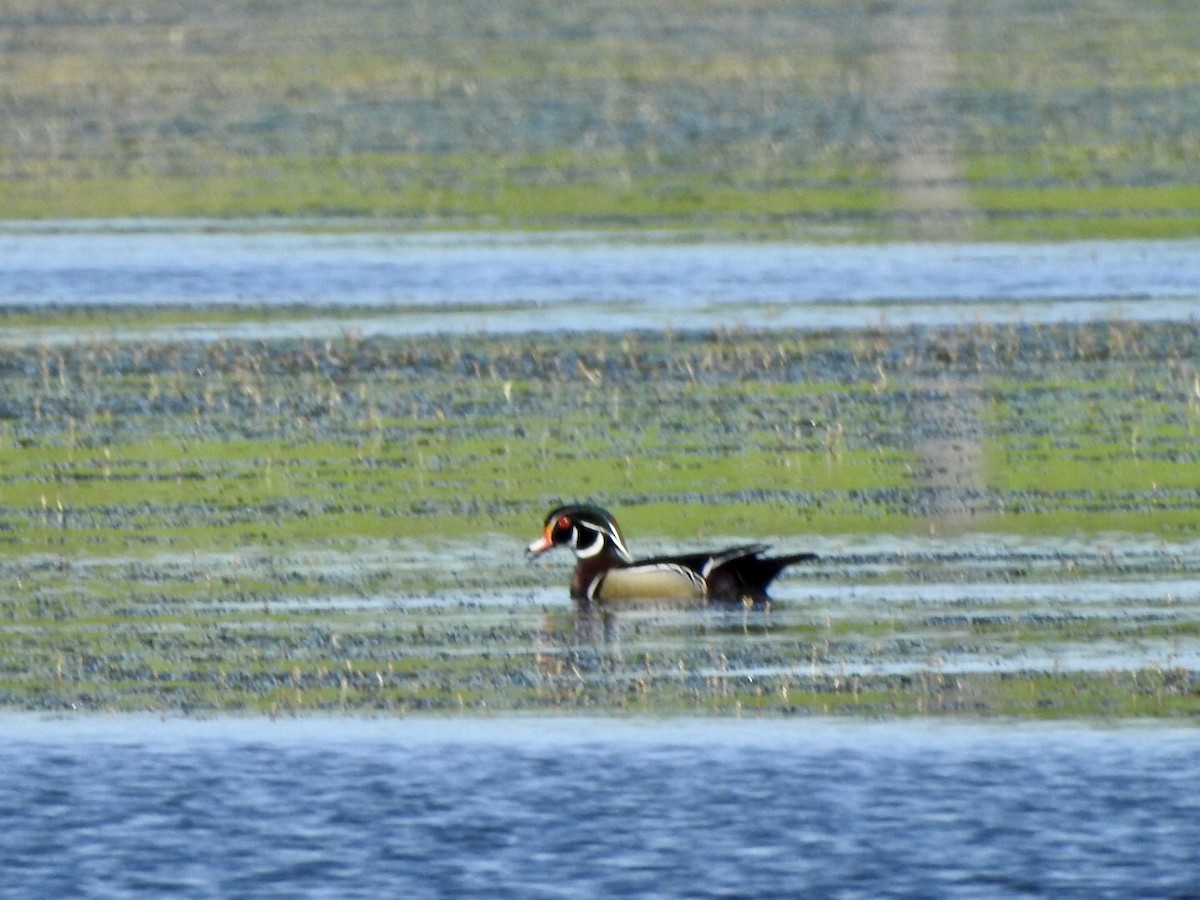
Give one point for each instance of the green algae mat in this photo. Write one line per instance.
(819, 119)
(1008, 519)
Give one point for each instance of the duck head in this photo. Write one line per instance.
(588, 531)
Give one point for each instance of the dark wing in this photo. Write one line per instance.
(748, 576)
(704, 563)
(734, 574)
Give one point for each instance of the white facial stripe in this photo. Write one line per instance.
(587, 539)
(616, 539)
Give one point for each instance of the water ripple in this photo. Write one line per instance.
(546, 808)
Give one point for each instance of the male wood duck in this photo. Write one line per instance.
(606, 572)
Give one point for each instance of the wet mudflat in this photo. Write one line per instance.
(1006, 515)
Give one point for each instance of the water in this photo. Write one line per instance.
(498, 283)
(595, 808)
(608, 807)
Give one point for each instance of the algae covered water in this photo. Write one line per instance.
(595, 808)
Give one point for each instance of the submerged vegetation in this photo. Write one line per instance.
(290, 525)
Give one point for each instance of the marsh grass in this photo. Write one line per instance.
(288, 440)
(288, 526)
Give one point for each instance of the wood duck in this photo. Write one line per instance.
(606, 572)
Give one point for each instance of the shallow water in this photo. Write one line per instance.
(880, 625)
(506, 283)
(595, 807)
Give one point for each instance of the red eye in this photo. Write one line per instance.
(564, 523)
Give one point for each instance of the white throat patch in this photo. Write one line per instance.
(586, 551)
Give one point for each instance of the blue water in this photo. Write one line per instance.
(505, 283)
(595, 808)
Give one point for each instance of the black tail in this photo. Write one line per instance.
(748, 577)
